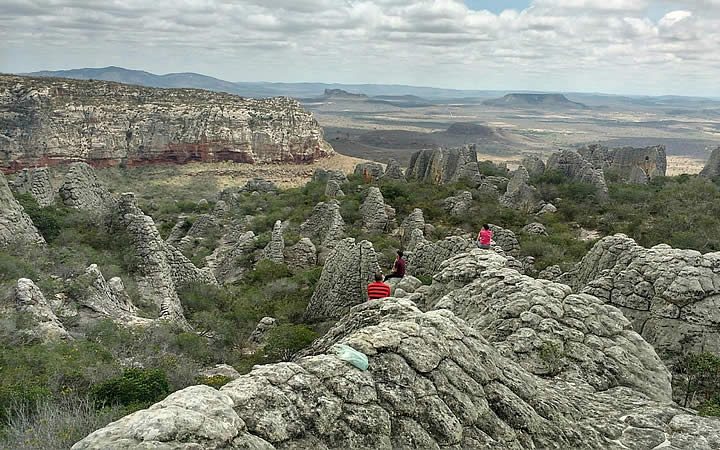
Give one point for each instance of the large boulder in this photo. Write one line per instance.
(274, 249)
(572, 164)
(349, 268)
(458, 205)
(369, 171)
(505, 239)
(628, 162)
(35, 182)
(393, 172)
(202, 227)
(301, 256)
(16, 227)
(414, 221)
(82, 190)
(259, 184)
(433, 381)
(374, 215)
(520, 194)
(442, 166)
(669, 295)
(325, 224)
(712, 166)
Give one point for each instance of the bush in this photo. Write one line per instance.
(286, 340)
(47, 220)
(266, 271)
(700, 374)
(134, 386)
(216, 381)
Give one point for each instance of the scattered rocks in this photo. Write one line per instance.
(520, 194)
(36, 182)
(374, 215)
(369, 171)
(16, 227)
(82, 190)
(325, 225)
(442, 166)
(349, 268)
(301, 256)
(712, 167)
(535, 228)
(458, 205)
(274, 250)
(572, 164)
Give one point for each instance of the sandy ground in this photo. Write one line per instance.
(677, 165)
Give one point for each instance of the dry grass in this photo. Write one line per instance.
(677, 165)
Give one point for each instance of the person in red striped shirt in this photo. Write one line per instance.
(378, 289)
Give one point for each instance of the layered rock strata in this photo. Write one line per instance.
(442, 166)
(52, 121)
(16, 227)
(35, 182)
(349, 268)
(325, 224)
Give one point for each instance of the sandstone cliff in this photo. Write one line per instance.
(53, 121)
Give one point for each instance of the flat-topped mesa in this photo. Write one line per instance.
(16, 227)
(56, 121)
(443, 166)
(633, 165)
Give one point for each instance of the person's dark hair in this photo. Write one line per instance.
(378, 276)
(400, 253)
(486, 226)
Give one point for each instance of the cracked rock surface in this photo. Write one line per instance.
(520, 194)
(35, 182)
(325, 224)
(374, 215)
(82, 190)
(16, 227)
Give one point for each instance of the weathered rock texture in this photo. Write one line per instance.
(458, 205)
(374, 215)
(325, 224)
(35, 182)
(393, 172)
(535, 228)
(650, 161)
(441, 166)
(349, 268)
(274, 249)
(369, 171)
(520, 194)
(433, 382)
(671, 296)
(259, 334)
(712, 167)
(203, 226)
(302, 255)
(321, 175)
(333, 190)
(259, 184)
(233, 256)
(505, 239)
(16, 227)
(82, 190)
(41, 322)
(572, 164)
(534, 165)
(424, 257)
(414, 221)
(56, 121)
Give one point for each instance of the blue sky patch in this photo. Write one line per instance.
(496, 6)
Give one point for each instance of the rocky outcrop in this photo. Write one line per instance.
(369, 171)
(349, 268)
(259, 184)
(628, 162)
(16, 227)
(424, 257)
(535, 228)
(202, 227)
(321, 175)
(458, 205)
(414, 221)
(579, 170)
(504, 239)
(433, 381)
(597, 155)
(301, 256)
(35, 182)
(325, 224)
(373, 212)
(393, 172)
(233, 256)
(52, 121)
(712, 167)
(520, 194)
(40, 322)
(534, 165)
(333, 190)
(274, 249)
(220, 370)
(442, 166)
(550, 273)
(259, 334)
(82, 190)
(549, 208)
(669, 295)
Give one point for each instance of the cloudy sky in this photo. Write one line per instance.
(614, 46)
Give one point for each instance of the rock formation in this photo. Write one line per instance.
(374, 215)
(504, 239)
(414, 221)
(670, 295)
(202, 227)
(549, 208)
(233, 256)
(259, 334)
(325, 224)
(597, 155)
(349, 268)
(301, 256)
(520, 194)
(82, 190)
(369, 171)
(321, 175)
(393, 172)
(274, 249)
(333, 190)
(56, 121)
(712, 167)
(35, 182)
(535, 228)
(16, 227)
(433, 381)
(579, 170)
(222, 370)
(638, 176)
(424, 257)
(441, 166)
(550, 273)
(42, 323)
(458, 205)
(534, 165)
(259, 184)
(628, 162)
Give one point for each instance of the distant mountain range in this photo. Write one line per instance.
(534, 101)
(400, 95)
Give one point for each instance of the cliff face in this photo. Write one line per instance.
(53, 121)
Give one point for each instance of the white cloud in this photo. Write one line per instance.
(603, 44)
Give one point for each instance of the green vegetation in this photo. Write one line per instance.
(700, 379)
(134, 386)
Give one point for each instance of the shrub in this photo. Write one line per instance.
(216, 381)
(286, 340)
(267, 270)
(700, 374)
(132, 387)
(47, 220)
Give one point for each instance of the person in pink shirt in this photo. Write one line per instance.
(483, 239)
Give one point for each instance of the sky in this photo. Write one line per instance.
(614, 46)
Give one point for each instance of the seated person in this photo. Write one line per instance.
(484, 236)
(398, 267)
(378, 289)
